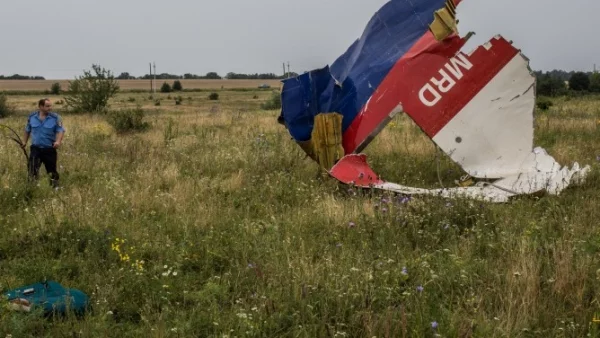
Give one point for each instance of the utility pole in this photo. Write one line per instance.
(154, 77)
(285, 77)
(151, 84)
(289, 73)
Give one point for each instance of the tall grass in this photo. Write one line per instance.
(224, 228)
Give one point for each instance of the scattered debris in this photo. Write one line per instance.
(50, 296)
(476, 107)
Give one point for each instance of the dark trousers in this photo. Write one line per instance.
(47, 156)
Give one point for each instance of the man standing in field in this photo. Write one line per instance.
(47, 131)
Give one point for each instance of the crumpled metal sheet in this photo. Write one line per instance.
(347, 85)
(477, 107)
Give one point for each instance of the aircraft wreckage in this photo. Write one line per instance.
(477, 107)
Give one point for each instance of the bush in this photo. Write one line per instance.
(5, 108)
(178, 100)
(91, 92)
(273, 103)
(166, 88)
(213, 96)
(55, 88)
(544, 104)
(127, 120)
(177, 86)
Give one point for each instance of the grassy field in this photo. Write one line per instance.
(42, 85)
(213, 223)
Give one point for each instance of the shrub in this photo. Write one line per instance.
(544, 104)
(5, 108)
(178, 100)
(213, 96)
(55, 88)
(177, 86)
(91, 92)
(127, 120)
(131, 99)
(165, 88)
(273, 103)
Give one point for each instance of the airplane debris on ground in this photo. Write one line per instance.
(477, 107)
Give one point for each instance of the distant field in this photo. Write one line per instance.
(140, 84)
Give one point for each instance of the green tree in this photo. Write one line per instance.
(55, 88)
(165, 88)
(212, 76)
(579, 81)
(92, 91)
(595, 83)
(549, 85)
(177, 86)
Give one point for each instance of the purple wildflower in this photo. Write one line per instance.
(404, 271)
(351, 225)
(384, 210)
(404, 200)
(420, 288)
(434, 325)
(251, 266)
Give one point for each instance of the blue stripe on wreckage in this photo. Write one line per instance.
(390, 33)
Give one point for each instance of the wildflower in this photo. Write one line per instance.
(598, 158)
(339, 245)
(351, 225)
(384, 210)
(404, 200)
(420, 288)
(404, 271)
(434, 325)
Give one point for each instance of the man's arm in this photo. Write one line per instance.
(59, 137)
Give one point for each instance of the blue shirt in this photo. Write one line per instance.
(43, 133)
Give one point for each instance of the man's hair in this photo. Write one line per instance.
(42, 102)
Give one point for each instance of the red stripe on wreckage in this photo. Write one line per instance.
(431, 83)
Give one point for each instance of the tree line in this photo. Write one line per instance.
(558, 82)
(21, 77)
(207, 76)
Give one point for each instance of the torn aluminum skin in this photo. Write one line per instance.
(477, 107)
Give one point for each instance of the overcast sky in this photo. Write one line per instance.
(61, 38)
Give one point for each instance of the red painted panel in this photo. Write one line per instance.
(427, 61)
(353, 169)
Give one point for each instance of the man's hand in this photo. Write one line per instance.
(56, 144)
